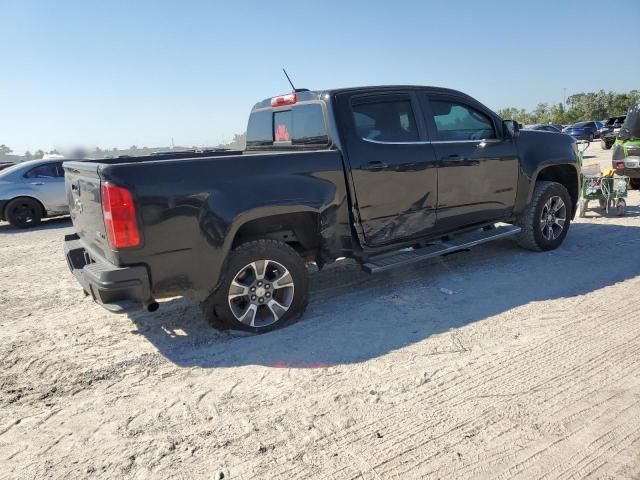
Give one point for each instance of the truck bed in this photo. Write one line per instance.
(188, 209)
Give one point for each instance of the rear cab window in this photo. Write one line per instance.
(300, 125)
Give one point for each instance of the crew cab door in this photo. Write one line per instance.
(478, 166)
(393, 166)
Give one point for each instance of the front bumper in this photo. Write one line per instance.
(118, 289)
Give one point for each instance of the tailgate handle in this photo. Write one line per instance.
(74, 187)
(37, 183)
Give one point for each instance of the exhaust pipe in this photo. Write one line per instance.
(153, 306)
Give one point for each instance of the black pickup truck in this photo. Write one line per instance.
(384, 175)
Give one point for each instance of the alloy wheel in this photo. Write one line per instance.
(553, 218)
(261, 293)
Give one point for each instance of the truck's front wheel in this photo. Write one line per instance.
(547, 218)
(265, 286)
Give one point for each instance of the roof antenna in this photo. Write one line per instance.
(290, 82)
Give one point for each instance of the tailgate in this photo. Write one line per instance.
(82, 184)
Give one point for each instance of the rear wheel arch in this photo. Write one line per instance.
(298, 229)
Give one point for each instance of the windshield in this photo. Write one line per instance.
(580, 124)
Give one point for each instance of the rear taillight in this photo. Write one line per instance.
(119, 217)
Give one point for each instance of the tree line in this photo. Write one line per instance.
(6, 153)
(579, 107)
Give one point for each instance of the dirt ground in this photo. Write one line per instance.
(530, 369)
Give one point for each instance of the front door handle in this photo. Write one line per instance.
(375, 165)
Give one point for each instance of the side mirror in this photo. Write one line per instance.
(512, 127)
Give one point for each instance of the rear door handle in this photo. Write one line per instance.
(375, 165)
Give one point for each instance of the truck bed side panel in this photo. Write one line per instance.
(189, 210)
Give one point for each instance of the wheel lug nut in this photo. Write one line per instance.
(267, 286)
(261, 300)
(253, 297)
(268, 294)
(259, 284)
(253, 289)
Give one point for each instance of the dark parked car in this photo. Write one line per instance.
(610, 130)
(543, 127)
(387, 176)
(582, 131)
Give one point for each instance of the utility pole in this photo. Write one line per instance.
(564, 96)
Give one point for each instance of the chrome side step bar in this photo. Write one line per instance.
(461, 242)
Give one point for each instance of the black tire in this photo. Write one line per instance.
(532, 237)
(604, 145)
(217, 309)
(635, 183)
(24, 212)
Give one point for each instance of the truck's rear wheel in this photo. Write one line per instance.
(547, 218)
(265, 286)
(23, 212)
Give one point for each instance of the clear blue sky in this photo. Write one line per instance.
(116, 73)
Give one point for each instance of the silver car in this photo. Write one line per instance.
(30, 191)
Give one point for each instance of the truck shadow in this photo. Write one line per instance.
(354, 316)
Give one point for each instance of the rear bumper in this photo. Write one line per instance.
(118, 289)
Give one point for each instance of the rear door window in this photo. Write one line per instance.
(385, 120)
(49, 170)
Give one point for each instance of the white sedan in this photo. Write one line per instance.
(30, 191)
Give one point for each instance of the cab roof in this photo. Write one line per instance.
(311, 95)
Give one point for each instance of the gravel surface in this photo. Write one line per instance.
(530, 368)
